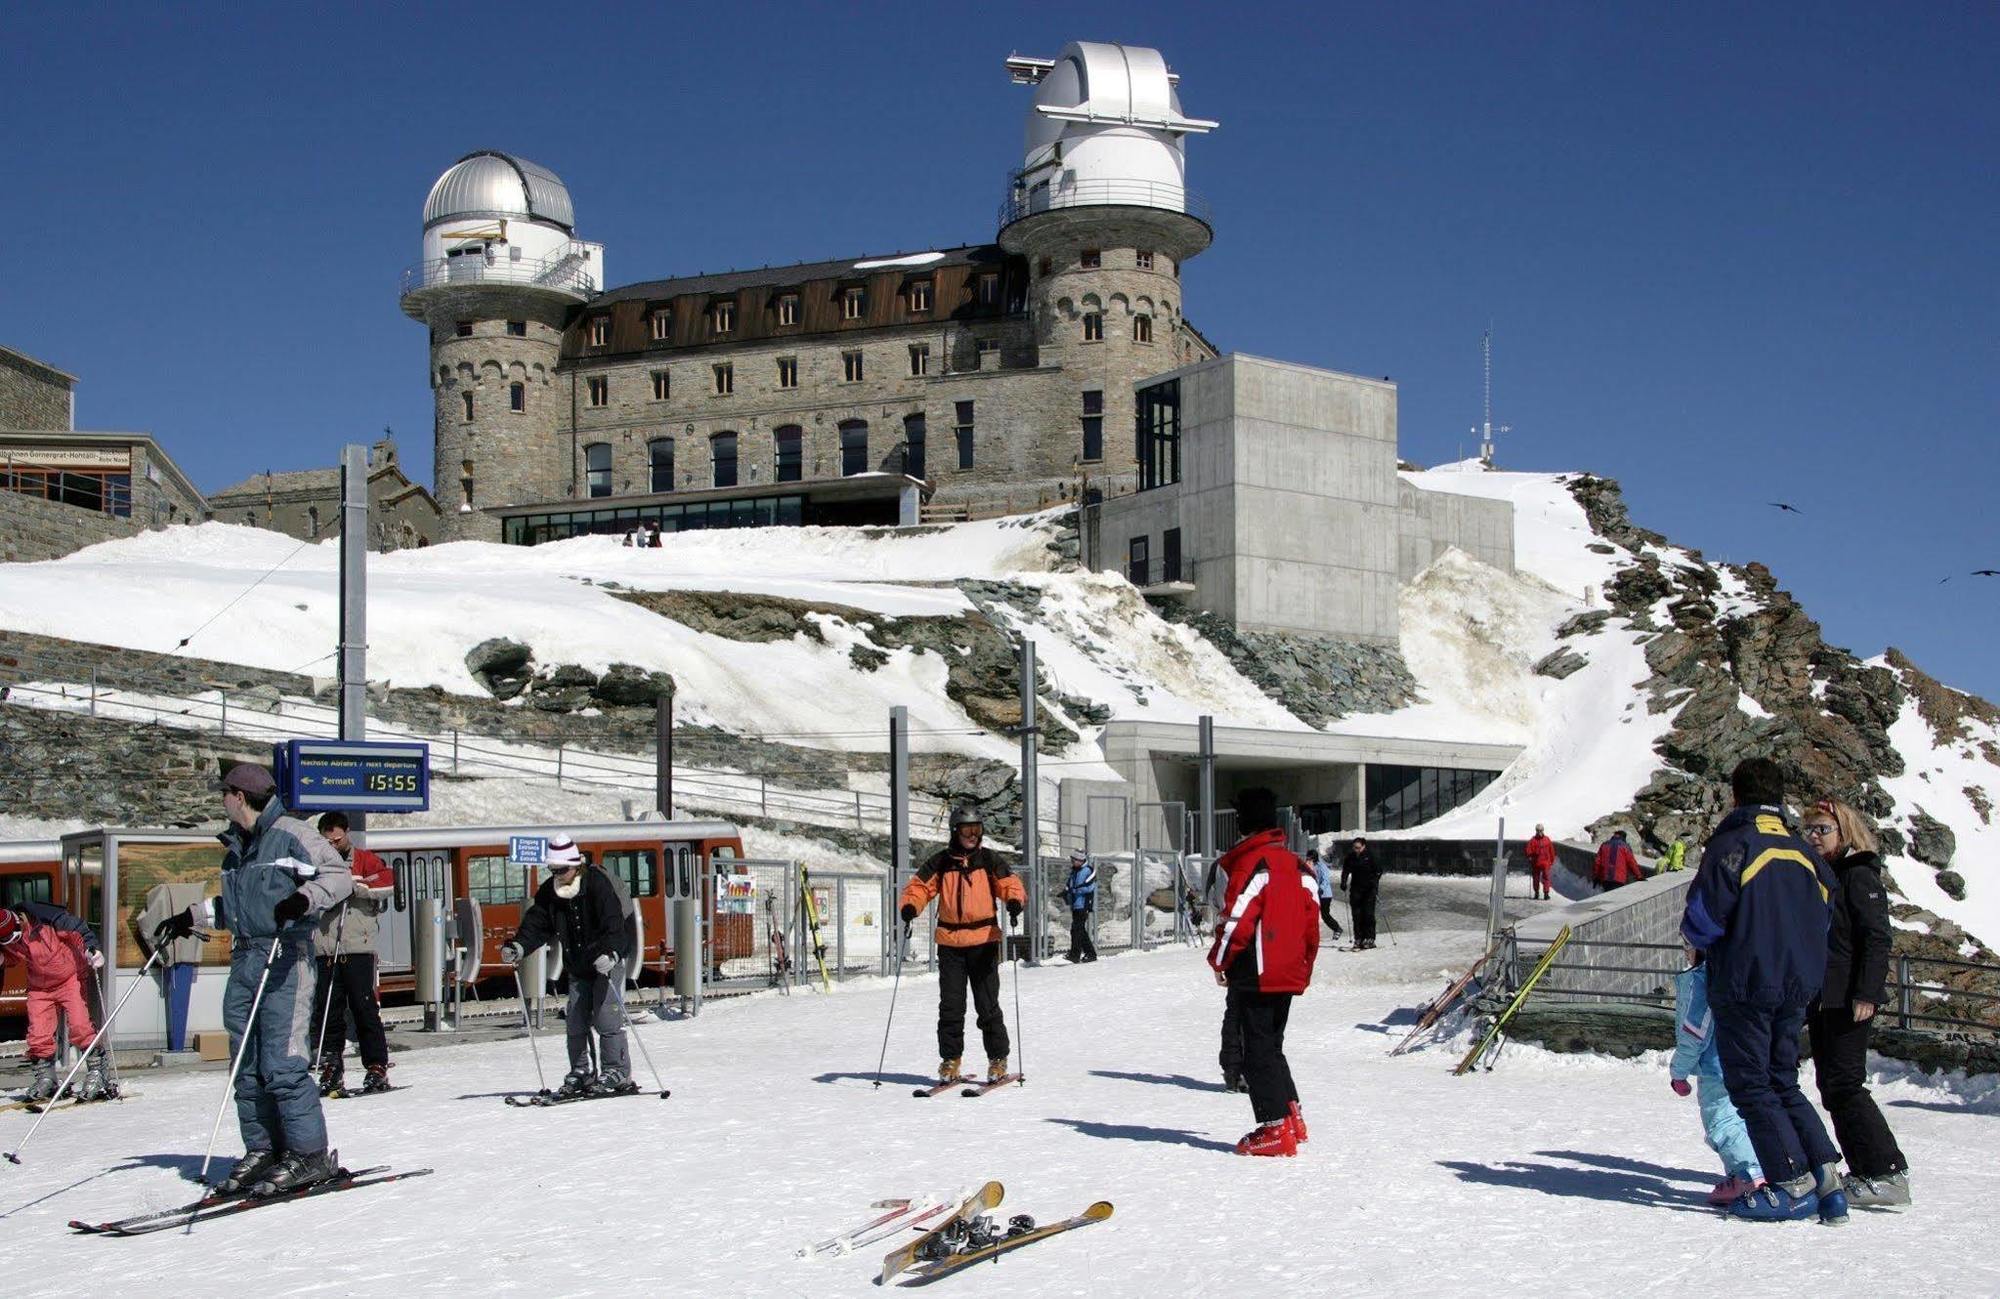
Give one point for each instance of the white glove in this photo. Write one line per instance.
(603, 964)
(511, 953)
(95, 957)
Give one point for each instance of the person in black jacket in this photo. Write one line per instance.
(581, 908)
(1359, 869)
(1857, 969)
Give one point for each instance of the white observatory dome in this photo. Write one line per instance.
(491, 184)
(1106, 127)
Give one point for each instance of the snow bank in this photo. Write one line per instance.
(1941, 779)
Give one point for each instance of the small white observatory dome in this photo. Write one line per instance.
(489, 183)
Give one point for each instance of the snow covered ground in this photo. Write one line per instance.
(1574, 1172)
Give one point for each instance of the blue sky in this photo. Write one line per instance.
(1731, 254)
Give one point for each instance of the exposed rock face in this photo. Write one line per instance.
(501, 665)
(1932, 842)
(1315, 679)
(1560, 663)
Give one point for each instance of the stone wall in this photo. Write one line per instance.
(33, 396)
(32, 529)
(1646, 912)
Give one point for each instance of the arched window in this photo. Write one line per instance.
(913, 445)
(722, 448)
(597, 468)
(789, 442)
(853, 446)
(660, 462)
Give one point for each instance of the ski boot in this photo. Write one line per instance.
(578, 1082)
(948, 1070)
(97, 1084)
(377, 1079)
(1791, 1201)
(996, 1068)
(247, 1172)
(294, 1171)
(1889, 1191)
(1832, 1194)
(1298, 1121)
(1274, 1138)
(42, 1082)
(613, 1083)
(1732, 1189)
(332, 1076)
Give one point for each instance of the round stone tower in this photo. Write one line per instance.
(502, 271)
(1101, 211)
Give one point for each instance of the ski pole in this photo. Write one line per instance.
(1020, 1029)
(632, 1031)
(249, 1031)
(97, 1044)
(332, 982)
(895, 986)
(541, 1079)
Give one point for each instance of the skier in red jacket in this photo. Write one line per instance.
(1263, 953)
(1615, 866)
(61, 954)
(1541, 860)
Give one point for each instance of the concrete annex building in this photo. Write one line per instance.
(1053, 363)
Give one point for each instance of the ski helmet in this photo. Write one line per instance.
(11, 927)
(963, 815)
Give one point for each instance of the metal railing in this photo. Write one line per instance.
(1143, 573)
(566, 270)
(1028, 201)
(1912, 1002)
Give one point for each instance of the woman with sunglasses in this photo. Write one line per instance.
(1857, 966)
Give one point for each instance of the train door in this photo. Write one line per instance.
(420, 873)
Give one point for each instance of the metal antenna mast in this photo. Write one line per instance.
(1487, 428)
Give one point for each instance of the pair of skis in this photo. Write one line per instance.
(1441, 1005)
(901, 1216)
(925, 1260)
(36, 1107)
(211, 1207)
(1501, 1020)
(970, 1086)
(546, 1099)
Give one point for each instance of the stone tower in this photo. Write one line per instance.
(502, 270)
(1101, 211)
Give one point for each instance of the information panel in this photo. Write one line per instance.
(352, 775)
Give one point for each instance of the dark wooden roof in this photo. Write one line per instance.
(819, 286)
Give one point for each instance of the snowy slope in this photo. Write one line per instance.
(1414, 1181)
(1944, 778)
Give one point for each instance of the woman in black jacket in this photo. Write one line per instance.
(1857, 967)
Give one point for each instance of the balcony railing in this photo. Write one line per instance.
(567, 270)
(1144, 573)
(1022, 201)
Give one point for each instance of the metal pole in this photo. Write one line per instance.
(93, 692)
(454, 750)
(249, 1031)
(1031, 830)
(559, 749)
(899, 801)
(1903, 991)
(663, 756)
(353, 647)
(541, 1079)
(840, 926)
(225, 712)
(1496, 901)
(1205, 741)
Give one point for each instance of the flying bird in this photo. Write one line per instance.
(1986, 572)
(1789, 509)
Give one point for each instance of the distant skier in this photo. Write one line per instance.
(580, 906)
(276, 873)
(1358, 870)
(1541, 863)
(1758, 911)
(1676, 858)
(1081, 894)
(345, 945)
(60, 955)
(1323, 882)
(1263, 954)
(1615, 866)
(1695, 1057)
(969, 883)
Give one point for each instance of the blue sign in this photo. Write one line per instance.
(527, 850)
(352, 775)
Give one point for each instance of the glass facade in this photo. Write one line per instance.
(107, 492)
(1159, 435)
(1401, 797)
(556, 525)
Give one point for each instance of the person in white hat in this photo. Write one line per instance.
(580, 906)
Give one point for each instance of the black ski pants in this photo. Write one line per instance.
(1840, 1064)
(1263, 1016)
(1758, 1042)
(1080, 946)
(977, 968)
(351, 980)
(1231, 1055)
(1361, 900)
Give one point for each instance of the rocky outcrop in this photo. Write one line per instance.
(1560, 663)
(1316, 679)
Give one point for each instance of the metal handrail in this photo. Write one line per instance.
(566, 270)
(1025, 202)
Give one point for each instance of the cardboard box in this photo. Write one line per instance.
(212, 1044)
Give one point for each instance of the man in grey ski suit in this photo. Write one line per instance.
(277, 875)
(579, 906)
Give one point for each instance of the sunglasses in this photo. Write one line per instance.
(1818, 831)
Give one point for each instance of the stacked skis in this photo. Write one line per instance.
(950, 1234)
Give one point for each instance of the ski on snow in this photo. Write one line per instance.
(545, 1100)
(211, 1207)
(985, 1085)
(896, 1260)
(37, 1107)
(935, 1269)
(344, 1094)
(940, 1088)
(900, 1216)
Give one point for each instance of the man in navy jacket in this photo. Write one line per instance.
(1759, 908)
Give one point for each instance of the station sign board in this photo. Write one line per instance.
(352, 775)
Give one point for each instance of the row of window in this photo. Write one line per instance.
(917, 298)
(1401, 797)
(1093, 328)
(695, 516)
(787, 454)
(92, 489)
(722, 374)
(1091, 259)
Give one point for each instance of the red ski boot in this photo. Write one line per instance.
(1298, 1121)
(1274, 1138)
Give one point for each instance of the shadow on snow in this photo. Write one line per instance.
(1615, 1179)
(1134, 1132)
(1162, 1079)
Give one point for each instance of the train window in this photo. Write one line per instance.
(491, 880)
(639, 869)
(684, 862)
(16, 889)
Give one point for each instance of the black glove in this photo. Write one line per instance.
(178, 925)
(1013, 910)
(909, 914)
(293, 907)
